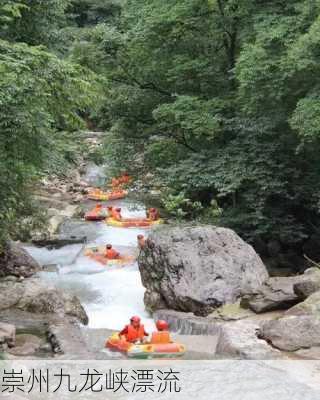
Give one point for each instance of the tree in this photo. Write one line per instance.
(220, 100)
(40, 95)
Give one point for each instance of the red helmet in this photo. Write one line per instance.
(162, 325)
(136, 319)
(118, 209)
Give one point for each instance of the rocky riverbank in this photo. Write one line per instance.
(211, 286)
(37, 319)
(206, 280)
(31, 309)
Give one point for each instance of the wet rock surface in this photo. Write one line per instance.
(188, 323)
(15, 261)
(35, 296)
(75, 228)
(198, 269)
(292, 333)
(67, 340)
(58, 241)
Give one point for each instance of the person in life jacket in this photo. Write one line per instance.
(98, 208)
(115, 183)
(111, 254)
(153, 214)
(141, 241)
(162, 335)
(109, 209)
(126, 178)
(116, 214)
(134, 332)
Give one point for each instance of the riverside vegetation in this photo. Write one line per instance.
(218, 98)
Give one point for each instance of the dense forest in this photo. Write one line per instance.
(217, 99)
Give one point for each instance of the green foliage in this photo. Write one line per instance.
(91, 12)
(40, 95)
(181, 207)
(219, 99)
(33, 22)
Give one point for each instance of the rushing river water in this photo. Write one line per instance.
(110, 295)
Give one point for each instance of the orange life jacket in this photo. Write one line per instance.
(111, 254)
(115, 183)
(153, 215)
(160, 337)
(126, 178)
(135, 334)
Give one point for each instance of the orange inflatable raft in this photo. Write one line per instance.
(149, 350)
(96, 214)
(98, 254)
(99, 195)
(133, 222)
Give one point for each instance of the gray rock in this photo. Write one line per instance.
(75, 228)
(198, 269)
(309, 354)
(7, 335)
(309, 285)
(16, 261)
(35, 296)
(10, 293)
(240, 339)
(153, 301)
(188, 323)
(26, 345)
(58, 241)
(292, 333)
(311, 306)
(66, 339)
(274, 294)
(281, 293)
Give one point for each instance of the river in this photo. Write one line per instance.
(110, 295)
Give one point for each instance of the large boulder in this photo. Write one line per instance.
(34, 296)
(240, 339)
(309, 285)
(311, 306)
(197, 269)
(14, 260)
(274, 294)
(299, 328)
(281, 293)
(292, 332)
